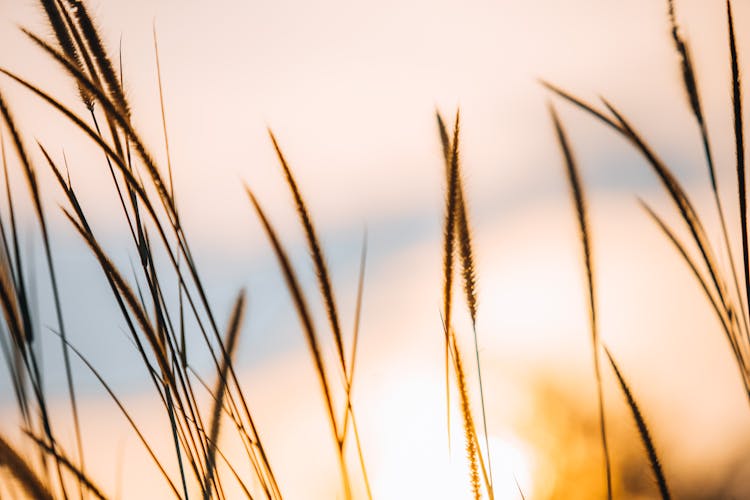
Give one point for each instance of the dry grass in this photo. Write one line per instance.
(157, 328)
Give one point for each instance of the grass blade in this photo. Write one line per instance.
(313, 243)
(312, 340)
(31, 179)
(230, 344)
(448, 244)
(739, 143)
(83, 479)
(691, 89)
(580, 206)
(642, 430)
(127, 416)
(472, 443)
(468, 272)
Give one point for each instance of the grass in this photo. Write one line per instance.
(157, 329)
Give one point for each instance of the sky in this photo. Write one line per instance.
(350, 89)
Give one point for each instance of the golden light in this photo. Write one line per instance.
(513, 467)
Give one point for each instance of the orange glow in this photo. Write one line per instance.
(350, 91)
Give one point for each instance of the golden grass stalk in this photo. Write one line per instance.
(450, 227)
(162, 328)
(472, 448)
(60, 22)
(114, 111)
(101, 58)
(316, 252)
(640, 422)
(123, 122)
(132, 182)
(448, 244)
(579, 201)
(312, 341)
(326, 289)
(463, 229)
(468, 269)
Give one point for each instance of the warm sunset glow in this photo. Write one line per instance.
(207, 282)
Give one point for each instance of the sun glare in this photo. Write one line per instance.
(512, 467)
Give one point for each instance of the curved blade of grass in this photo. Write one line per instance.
(676, 192)
(155, 338)
(155, 341)
(313, 243)
(691, 89)
(691, 219)
(234, 472)
(30, 175)
(116, 113)
(137, 188)
(582, 104)
(183, 345)
(230, 344)
(689, 261)
(126, 414)
(358, 308)
(352, 364)
(322, 275)
(580, 206)
(120, 117)
(312, 341)
(721, 313)
(679, 197)
(518, 487)
(642, 430)
(85, 481)
(739, 142)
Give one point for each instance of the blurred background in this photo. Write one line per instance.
(351, 90)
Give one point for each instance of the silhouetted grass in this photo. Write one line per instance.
(576, 190)
(642, 429)
(156, 327)
(730, 306)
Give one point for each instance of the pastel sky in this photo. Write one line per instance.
(350, 90)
